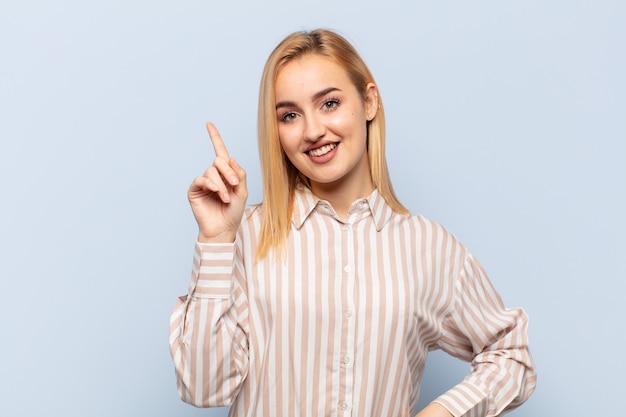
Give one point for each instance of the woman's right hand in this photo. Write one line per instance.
(218, 198)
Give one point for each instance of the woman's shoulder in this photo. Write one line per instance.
(412, 218)
(421, 224)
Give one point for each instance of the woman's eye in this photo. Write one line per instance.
(330, 104)
(288, 117)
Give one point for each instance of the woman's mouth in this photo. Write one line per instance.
(322, 150)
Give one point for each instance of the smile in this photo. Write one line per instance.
(323, 150)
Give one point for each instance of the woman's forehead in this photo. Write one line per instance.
(310, 74)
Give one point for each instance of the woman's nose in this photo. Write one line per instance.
(314, 128)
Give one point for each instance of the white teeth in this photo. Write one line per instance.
(323, 150)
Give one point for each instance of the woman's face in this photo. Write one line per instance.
(322, 123)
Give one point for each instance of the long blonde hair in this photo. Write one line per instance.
(279, 175)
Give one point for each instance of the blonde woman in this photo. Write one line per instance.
(325, 299)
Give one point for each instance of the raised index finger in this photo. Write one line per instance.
(216, 140)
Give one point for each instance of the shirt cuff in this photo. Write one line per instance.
(465, 400)
(212, 270)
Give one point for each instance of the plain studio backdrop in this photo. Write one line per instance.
(506, 123)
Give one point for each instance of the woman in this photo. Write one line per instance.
(325, 299)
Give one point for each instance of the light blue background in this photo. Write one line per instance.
(506, 123)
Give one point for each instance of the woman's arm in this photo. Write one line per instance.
(208, 330)
(208, 327)
(478, 328)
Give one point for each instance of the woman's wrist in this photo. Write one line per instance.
(226, 237)
(434, 410)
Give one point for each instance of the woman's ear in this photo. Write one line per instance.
(371, 101)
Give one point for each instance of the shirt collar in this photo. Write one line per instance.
(305, 203)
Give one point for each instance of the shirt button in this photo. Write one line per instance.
(347, 268)
(345, 360)
(346, 227)
(343, 405)
(348, 314)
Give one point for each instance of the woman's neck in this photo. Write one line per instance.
(342, 197)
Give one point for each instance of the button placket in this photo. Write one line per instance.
(345, 360)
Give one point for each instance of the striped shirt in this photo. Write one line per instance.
(342, 325)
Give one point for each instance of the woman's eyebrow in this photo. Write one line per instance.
(314, 97)
(322, 93)
(285, 104)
